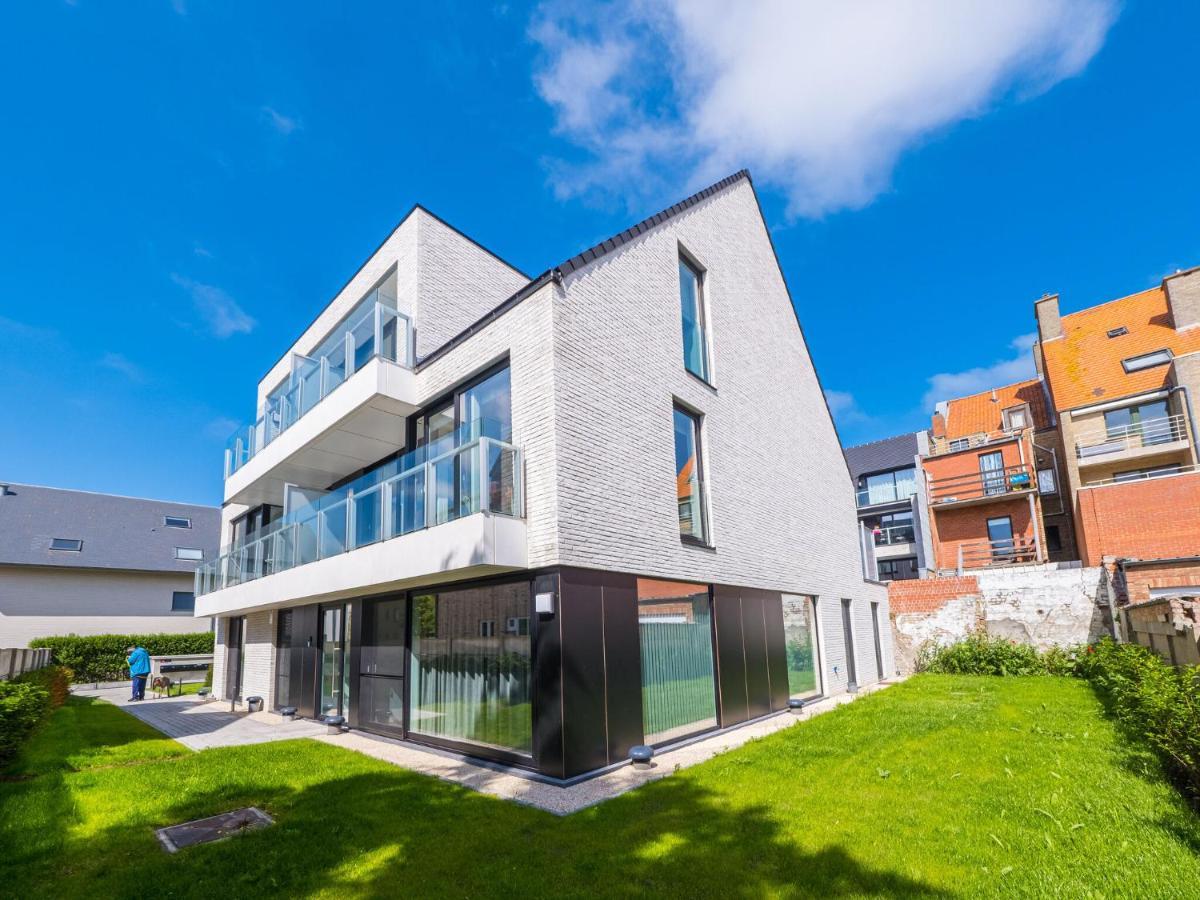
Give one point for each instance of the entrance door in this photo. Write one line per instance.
(382, 665)
(848, 631)
(235, 647)
(335, 674)
(878, 642)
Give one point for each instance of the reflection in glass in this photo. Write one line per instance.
(335, 673)
(695, 352)
(675, 631)
(800, 644)
(689, 489)
(283, 660)
(471, 682)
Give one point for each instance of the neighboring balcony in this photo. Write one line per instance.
(885, 493)
(1140, 440)
(985, 554)
(441, 511)
(894, 534)
(338, 412)
(981, 487)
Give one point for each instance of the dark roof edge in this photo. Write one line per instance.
(46, 487)
(129, 570)
(588, 256)
(412, 209)
(605, 247)
(1138, 563)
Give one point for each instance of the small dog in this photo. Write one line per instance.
(161, 685)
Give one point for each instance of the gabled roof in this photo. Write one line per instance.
(982, 413)
(880, 456)
(1084, 365)
(117, 532)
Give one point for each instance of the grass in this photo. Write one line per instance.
(943, 786)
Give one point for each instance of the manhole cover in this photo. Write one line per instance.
(214, 828)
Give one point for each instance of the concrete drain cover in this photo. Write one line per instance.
(214, 828)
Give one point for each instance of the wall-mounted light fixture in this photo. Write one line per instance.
(543, 604)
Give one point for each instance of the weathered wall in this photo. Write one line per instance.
(1170, 627)
(1044, 605)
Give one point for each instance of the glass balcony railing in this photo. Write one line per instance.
(378, 330)
(894, 534)
(886, 493)
(475, 469)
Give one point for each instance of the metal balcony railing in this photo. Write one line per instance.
(984, 553)
(482, 474)
(940, 446)
(894, 534)
(1136, 436)
(380, 331)
(981, 485)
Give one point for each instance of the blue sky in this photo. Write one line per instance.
(185, 185)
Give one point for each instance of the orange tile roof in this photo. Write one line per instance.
(1084, 365)
(982, 413)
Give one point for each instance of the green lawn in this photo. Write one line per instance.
(941, 787)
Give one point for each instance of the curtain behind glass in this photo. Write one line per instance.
(678, 689)
(471, 671)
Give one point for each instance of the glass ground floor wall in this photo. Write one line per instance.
(800, 643)
(471, 666)
(678, 685)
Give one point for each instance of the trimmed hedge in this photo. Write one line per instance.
(101, 657)
(25, 701)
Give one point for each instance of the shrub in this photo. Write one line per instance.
(980, 654)
(25, 701)
(101, 657)
(1157, 702)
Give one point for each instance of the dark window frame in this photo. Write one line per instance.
(170, 521)
(697, 419)
(175, 601)
(1140, 362)
(686, 258)
(75, 545)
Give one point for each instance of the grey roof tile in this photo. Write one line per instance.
(879, 456)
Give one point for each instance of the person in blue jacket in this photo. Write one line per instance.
(138, 661)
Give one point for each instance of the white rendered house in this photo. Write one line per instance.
(545, 520)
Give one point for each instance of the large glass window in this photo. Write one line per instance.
(895, 528)
(283, 660)
(678, 689)
(900, 569)
(695, 344)
(1146, 420)
(800, 642)
(381, 681)
(991, 470)
(689, 474)
(335, 661)
(472, 683)
(1000, 534)
(887, 487)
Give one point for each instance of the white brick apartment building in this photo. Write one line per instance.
(545, 520)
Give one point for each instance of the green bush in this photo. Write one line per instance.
(980, 654)
(1155, 701)
(101, 657)
(25, 701)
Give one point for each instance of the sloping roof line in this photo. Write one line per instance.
(882, 455)
(577, 262)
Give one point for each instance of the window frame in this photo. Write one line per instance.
(199, 558)
(700, 474)
(77, 542)
(175, 607)
(167, 523)
(684, 258)
(1141, 362)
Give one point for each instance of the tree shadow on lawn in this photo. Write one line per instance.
(392, 832)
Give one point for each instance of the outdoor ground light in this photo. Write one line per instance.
(288, 713)
(795, 705)
(333, 724)
(641, 756)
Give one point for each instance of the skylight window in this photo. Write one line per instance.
(1118, 331)
(72, 544)
(177, 521)
(1147, 360)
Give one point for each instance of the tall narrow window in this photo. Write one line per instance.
(695, 343)
(689, 475)
(800, 641)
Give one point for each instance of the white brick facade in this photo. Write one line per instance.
(596, 365)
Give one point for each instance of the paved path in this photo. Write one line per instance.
(200, 725)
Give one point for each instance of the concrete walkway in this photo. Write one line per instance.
(201, 725)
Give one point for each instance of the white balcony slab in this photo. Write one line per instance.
(476, 545)
(895, 551)
(1122, 451)
(358, 423)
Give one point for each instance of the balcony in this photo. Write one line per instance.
(432, 511)
(981, 487)
(338, 412)
(885, 493)
(984, 554)
(941, 446)
(894, 534)
(1140, 440)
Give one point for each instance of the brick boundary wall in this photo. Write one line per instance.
(1155, 518)
(929, 594)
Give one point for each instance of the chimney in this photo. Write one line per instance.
(1183, 298)
(1039, 364)
(1048, 321)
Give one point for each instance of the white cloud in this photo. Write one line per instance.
(285, 125)
(220, 428)
(1018, 367)
(845, 408)
(220, 311)
(820, 99)
(124, 366)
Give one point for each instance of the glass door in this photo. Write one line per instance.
(335, 674)
(991, 467)
(381, 672)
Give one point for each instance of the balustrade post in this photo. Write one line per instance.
(485, 499)
(386, 525)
